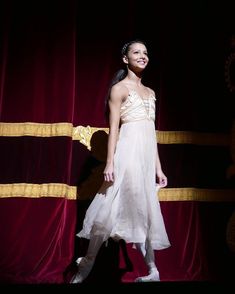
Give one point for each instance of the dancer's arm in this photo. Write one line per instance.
(115, 100)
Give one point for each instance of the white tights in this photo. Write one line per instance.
(149, 257)
(86, 263)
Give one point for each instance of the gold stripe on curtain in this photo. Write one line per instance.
(38, 190)
(36, 129)
(57, 190)
(84, 134)
(196, 194)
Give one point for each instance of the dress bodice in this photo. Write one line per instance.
(136, 108)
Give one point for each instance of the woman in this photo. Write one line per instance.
(126, 206)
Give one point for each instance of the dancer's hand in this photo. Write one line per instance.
(161, 179)
(108, 173)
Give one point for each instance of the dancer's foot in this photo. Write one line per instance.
(152, 277)
(84, 267)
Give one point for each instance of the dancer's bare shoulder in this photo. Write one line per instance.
(151, 91)
(119, 92)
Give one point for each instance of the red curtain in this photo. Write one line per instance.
(57, 58)
(37, 85)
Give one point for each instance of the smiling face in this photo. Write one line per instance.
(136, 57)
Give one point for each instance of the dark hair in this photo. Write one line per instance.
(121, 73)
(126, 47)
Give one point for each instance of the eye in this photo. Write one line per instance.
(138, 52)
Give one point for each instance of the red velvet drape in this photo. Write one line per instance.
(37, 85)
(57, 58)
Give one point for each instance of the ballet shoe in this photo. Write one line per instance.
(84, 267)
(152, 277)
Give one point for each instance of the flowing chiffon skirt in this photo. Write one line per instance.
(129, 208)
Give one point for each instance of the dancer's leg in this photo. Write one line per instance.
(149, 257)
(86, 263)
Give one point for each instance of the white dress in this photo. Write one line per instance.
(129, 208)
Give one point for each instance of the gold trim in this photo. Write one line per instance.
(57, 190)
(36, 129)
(196, 194)
(183, 137)
(38, 190)
(84, 134)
